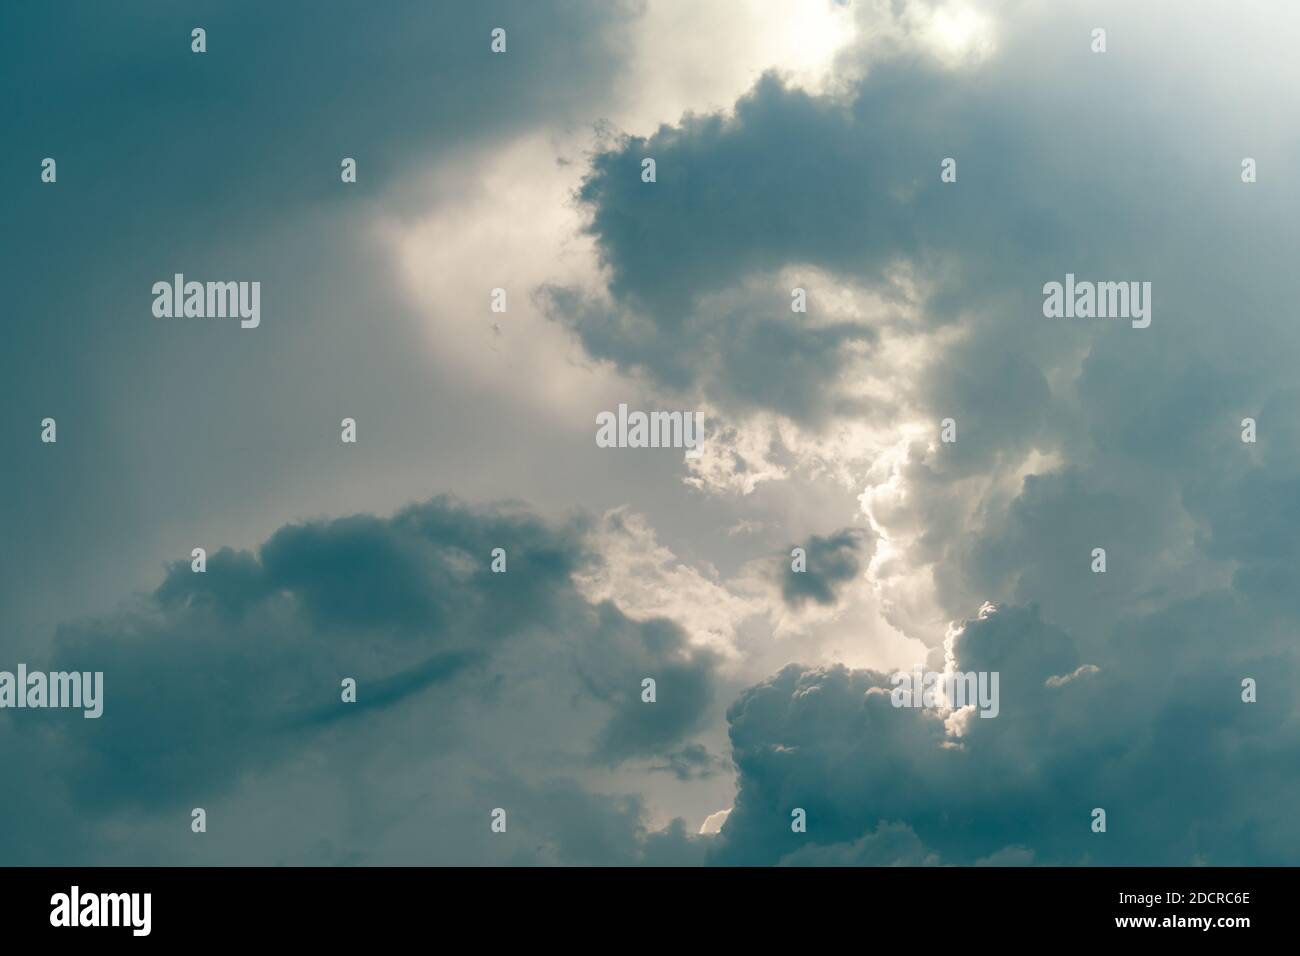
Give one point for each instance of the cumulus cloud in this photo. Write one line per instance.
(805, 157)
(842, 184)
(236, 671)
(1019, 787)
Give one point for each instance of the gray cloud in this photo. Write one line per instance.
(832, 561)
(223, 687)
(692, 762)
(226, 165)
(890, 844)
(1158, 738)
(235, 672)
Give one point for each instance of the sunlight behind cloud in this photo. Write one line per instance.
(956, 33)
(700, 57)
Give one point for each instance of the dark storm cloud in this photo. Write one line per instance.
(1066, 164)
(742, 195)
(847, 185)
(1157, 735)
(745, 347)
(239, 668)
(832, 560)
(1143, 425)
(218, 671)
(1043, 550)
(657, 650)
(225, 165)
(243, 123)
(1142, 714)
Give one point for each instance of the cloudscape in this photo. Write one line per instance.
(671, 432)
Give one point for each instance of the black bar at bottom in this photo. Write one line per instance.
(360, 905)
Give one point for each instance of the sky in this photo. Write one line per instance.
(797, 145)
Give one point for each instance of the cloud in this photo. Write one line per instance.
(656, 650)
(831, 561)
(1154, 737)
(243, 185)
(522, 690)
(645, 579)
(1083, 670)
(1056, 454)
(223, 676)
(713, 822)
(579, 828)
(692, 762)
(890, 844)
